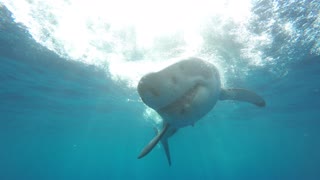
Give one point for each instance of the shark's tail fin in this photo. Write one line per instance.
(166, 149)
(165, 144)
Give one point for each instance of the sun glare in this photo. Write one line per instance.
(81, 31)
(152, 18)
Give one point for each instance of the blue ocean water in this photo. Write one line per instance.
(64, 118)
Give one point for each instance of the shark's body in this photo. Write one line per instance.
(183, 93)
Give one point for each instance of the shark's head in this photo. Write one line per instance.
(181, 90)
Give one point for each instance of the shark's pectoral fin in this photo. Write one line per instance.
(153, 142)
(166, 150)
(242, 95)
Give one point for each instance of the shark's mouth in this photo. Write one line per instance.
(183, 102)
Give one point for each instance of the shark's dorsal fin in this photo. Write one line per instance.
(153, 142)
(242, 95)
(166, 150)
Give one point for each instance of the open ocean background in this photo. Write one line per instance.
(69, 108)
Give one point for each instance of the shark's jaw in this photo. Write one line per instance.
(187, 109)
(181, 105)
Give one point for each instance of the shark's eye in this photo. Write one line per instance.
(154, 92)
(181, 67)
(174, 80)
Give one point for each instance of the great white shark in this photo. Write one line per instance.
(183, 93)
